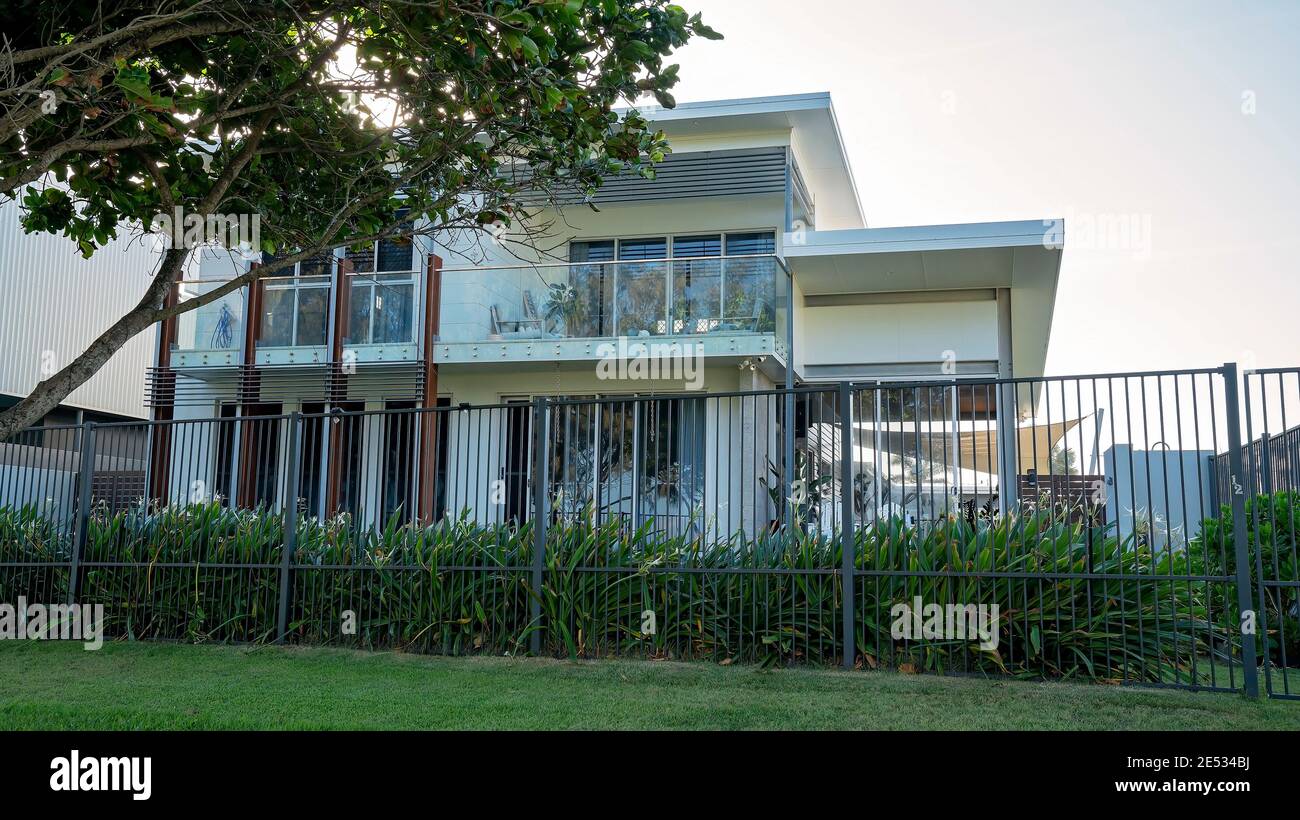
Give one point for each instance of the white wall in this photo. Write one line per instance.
(897, 333)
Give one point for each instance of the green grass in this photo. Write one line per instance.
(168, 686)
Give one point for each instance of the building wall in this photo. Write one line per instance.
(56, 303)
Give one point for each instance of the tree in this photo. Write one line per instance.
(335, 123)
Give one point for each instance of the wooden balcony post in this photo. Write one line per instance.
(337, 383)
(164, 408)
(250, 390)
(428, 453)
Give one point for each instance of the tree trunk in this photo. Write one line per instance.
(49, 393)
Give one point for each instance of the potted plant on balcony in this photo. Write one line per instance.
(563, 308)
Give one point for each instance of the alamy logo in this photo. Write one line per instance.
(947, 622)
(75, 773)
(53, 622)
(675, 361)
(241, 232)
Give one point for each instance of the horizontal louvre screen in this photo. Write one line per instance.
(697, 174)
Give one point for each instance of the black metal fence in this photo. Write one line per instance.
(1050, 527)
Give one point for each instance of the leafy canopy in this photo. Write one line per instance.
(327, 119)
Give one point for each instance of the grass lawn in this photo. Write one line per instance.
(51, 685)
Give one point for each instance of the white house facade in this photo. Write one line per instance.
(743, 273)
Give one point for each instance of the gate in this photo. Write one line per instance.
(1271, 517)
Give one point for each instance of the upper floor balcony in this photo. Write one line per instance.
(730, 305)
(295, 320)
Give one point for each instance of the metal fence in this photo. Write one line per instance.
(1050, 527)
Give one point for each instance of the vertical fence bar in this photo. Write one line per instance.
(1250, 671)
(85, 477)
(846, 527)
(290, 526)
(541, 414)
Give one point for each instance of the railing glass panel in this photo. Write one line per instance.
(215, 326)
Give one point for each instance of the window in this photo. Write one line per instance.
(591, 251)
(295, 303)
(747, 244)
(381, 309)
(640, 290)
(295, 312)
(655, 248)
(689, 246)
(697, 283)
(381, 298)
(594, 285)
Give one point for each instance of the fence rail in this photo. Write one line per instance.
(1082, 526)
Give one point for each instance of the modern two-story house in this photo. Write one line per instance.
(742, 273)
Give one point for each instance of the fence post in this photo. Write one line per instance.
(290, 516)
(85, 477)
(847, 533)
(1241, 551)
(541, 490)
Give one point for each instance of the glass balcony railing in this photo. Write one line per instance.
(634, 298)
(381, 308)
(216, 327)
(295, 312)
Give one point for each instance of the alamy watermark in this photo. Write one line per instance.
(946, 622)
(75, 773)
(239, 232)
(53, 622)
(652, 361)
(1115, 232)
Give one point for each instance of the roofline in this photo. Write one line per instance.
(738, 106)
(968, 235)
(844, 157)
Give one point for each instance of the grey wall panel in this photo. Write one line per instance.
(53, 304)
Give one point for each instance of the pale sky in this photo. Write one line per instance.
(1182, 118)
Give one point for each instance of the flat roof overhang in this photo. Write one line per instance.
(1023, 256)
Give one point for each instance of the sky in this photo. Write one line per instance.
(1180, 120)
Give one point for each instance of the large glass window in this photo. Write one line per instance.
(688, 284)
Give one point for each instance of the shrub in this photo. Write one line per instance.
(1073, 600)
(1272, 523)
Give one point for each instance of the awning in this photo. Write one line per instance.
(963, 445)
